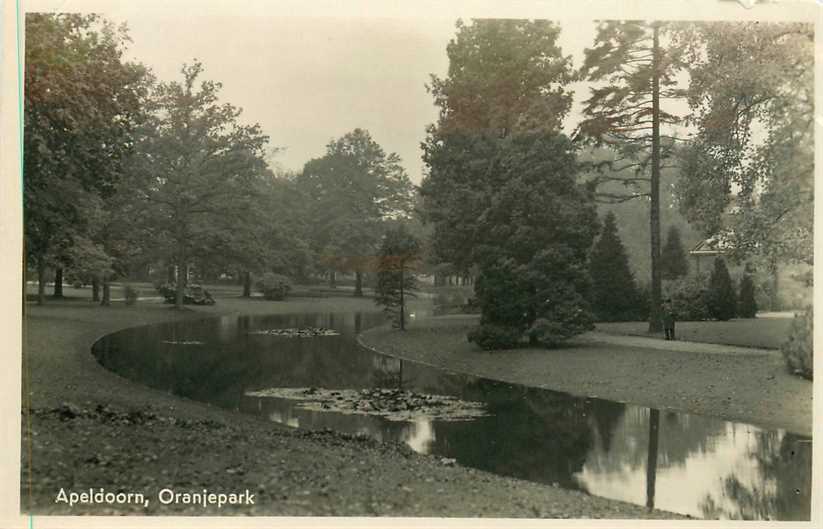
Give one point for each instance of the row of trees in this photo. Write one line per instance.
(123, 172)
(510, 197)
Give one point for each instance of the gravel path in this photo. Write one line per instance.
(84, 426)
(733, 383)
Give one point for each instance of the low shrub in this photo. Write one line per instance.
(798, 350)
(192, 294)
(274, 287)
(489, 336)
(131, 294)
(689, 297)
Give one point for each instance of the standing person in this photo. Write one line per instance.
(667, 314)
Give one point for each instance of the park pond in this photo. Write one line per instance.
(314, 375)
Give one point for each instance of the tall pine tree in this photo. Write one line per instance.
(625, 114)
(614, 290)
(673, 262)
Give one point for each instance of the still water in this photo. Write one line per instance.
(683, 463)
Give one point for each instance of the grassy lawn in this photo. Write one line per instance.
(767, 333)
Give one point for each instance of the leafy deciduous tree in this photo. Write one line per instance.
(81, 104)
(748, 174)
(197, 164)
(351, 192)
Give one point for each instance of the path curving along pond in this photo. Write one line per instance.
(308, 371)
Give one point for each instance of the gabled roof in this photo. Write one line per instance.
(714, 245)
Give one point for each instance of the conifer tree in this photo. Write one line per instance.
(632, 72)
(747, 305)
(396, 281)
(614, 291)
(722, 301)
(673, 262)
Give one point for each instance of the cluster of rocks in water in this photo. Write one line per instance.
(305, 332)
(392, 404)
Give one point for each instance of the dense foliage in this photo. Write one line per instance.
(81, 107)
(505, 77)
(615, 296)
(799, 348)
(721, 299)
(752, 96)
(527, 225)
(274, 287)
(689, 297)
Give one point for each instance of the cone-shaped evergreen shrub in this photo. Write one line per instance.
(721, 299)
(615, 296)
(746, 305)
(673, 262)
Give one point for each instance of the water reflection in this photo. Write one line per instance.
(683, 463)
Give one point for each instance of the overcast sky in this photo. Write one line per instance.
(308, 80)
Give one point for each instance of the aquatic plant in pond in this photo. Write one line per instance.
(307, 332)
(392, 404)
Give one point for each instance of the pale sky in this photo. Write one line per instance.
(309, 80)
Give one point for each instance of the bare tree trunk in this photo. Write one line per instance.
(182, 276)
(332, 279)
(106, 301)
(775, 294)
(651, 462)
(95, 289)
(58, 283)
(655, 324)
(41, 280)
(171, 275)
(402, 301)
(246, 284)
(358, 283)
(181, 288)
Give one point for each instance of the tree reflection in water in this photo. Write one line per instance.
(678, 462)
(781, 489)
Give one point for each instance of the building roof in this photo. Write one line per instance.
(714, 245)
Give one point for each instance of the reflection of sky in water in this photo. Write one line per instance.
(419, 435)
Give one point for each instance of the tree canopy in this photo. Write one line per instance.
(748, 173)
(82, 103)
(504, 77)
(195, 171)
